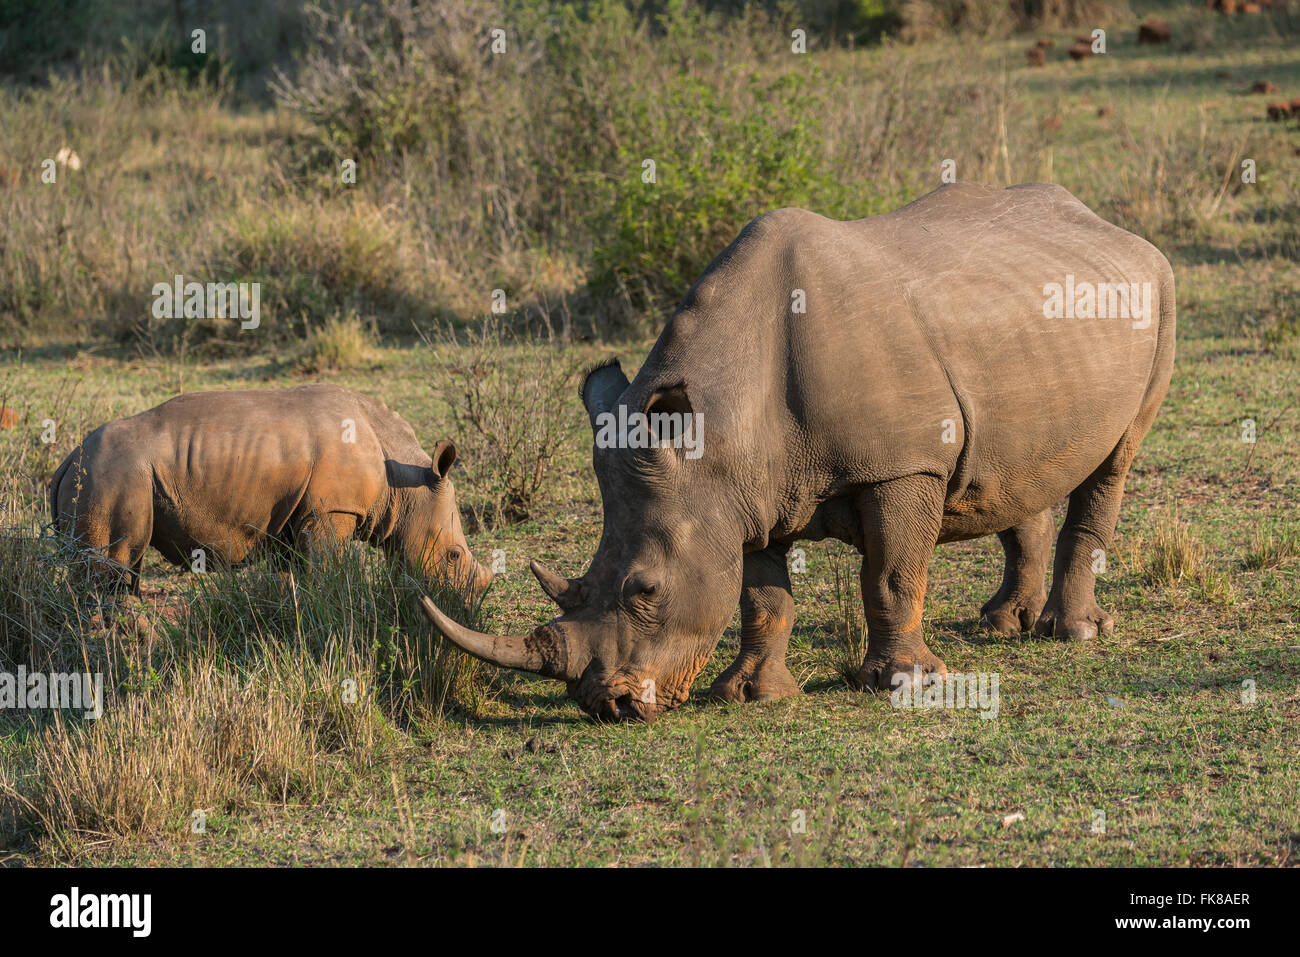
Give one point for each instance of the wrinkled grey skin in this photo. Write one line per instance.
(227, 471)
(921, 325)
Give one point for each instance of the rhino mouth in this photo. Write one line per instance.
(625, 709)
(568, 652)
(613, 701)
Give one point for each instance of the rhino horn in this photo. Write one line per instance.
(563, 591)
(545, 652)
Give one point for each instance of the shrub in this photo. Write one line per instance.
(515, 409)
(718, 163)
(1173, 554)
(341, 343)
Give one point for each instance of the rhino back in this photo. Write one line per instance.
(234, 466)
(919, 326)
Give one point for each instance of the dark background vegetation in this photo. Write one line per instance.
(476, 172)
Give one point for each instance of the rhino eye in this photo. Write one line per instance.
(636, 587)
(453, 554)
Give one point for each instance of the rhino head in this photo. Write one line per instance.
(640, 625)
(428, 533)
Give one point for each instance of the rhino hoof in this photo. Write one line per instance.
(1011, 617)
(876, 675)
(1053, 623)
(744, 681)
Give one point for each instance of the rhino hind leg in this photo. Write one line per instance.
(107, 522)
(114, 541)
(1072, 611)
(1018, 603)
(759, 672)
(901, 520)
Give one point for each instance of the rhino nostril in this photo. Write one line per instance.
(747, 691)
(629, 709)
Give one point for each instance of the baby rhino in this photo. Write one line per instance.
(228, 471)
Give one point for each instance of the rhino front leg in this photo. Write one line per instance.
(759, 672)
(901, 520)
(1017, 604)
(326, 533)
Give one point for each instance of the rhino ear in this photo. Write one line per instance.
(602, 387)
(674, 405)
(444, 456)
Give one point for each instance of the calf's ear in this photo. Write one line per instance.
(602, 387)
(444, 456)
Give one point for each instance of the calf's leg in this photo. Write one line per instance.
(325, 533)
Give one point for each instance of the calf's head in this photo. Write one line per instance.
(637, 628)
(429, 532)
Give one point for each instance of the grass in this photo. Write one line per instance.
(1185, 772)
(230, 693)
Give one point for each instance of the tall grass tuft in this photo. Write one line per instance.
(1272, 547)
(266, 683)
(849, 637)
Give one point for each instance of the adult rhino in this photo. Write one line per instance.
(944, 382)
(229, 471)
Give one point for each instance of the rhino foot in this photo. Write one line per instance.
(877, 674)
(1074, 625)
(748, 679)
(1011, 616)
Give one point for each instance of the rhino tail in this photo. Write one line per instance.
(54, 495)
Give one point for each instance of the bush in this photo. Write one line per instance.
(515, 411)
(717, 165)
(341, 343)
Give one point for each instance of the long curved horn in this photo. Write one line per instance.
(559, 589)
(545, 651)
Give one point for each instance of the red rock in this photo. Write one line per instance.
(1035, 56)
(1080, 51)
(1153, 30)
(1263, 86)
(8, 417)
(1279, 111)
(1051, 123)
(1046, 43)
